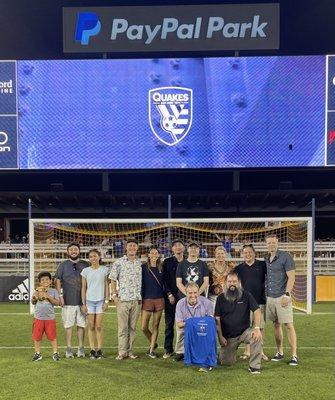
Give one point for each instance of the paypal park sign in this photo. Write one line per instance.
(171, 28)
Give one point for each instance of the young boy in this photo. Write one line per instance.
(44, 299)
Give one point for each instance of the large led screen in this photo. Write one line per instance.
(164, 113)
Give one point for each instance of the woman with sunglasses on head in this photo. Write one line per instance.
(218, 271)
(152, 298)
(95, 298)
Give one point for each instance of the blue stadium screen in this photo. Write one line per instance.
(165, 113)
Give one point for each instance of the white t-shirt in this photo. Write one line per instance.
(95, 282)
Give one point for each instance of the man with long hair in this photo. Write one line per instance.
(232, 313)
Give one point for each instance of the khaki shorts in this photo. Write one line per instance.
(72, 315)
(276, 313)
(262, 323)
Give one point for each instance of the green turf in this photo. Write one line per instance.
(163, 379)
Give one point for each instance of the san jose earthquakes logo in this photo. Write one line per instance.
(170, 113)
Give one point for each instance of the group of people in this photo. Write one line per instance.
(202, 303)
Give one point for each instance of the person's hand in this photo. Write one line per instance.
(105, 307)
(116, 300)
(83, 309)
(285, 301)
(223, 341)
(172, 299)
(61, 301)
(256, 335)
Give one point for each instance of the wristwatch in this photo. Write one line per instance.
(288, 294)
(114, 295)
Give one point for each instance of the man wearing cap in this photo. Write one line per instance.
(190, 270)
(68, 284)
(169, 279)
(127, 273)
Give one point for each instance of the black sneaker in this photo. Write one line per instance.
(254, 371)
(99, 354)
(277, 357)
(152, 354)
(294, 361)
(93, 355)
(37, 357)
(55, 357)
(179, 357)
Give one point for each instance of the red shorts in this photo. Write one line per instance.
(153, 305)
(40, 326)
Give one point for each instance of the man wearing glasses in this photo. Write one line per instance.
(252, 274)
(68, 284)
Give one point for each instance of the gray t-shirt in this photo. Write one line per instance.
(44, 310)
(68, 273)
(276, 278)
(96, 279)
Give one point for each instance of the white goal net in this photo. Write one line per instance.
(50, 237)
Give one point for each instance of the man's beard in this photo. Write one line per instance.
(233, 295)
(74, 258)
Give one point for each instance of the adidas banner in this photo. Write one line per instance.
(14, 288)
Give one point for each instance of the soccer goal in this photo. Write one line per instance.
(49, 238)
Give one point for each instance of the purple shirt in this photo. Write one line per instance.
(203, 308)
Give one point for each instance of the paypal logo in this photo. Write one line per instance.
(88, 25)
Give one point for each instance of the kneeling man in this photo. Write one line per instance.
(196, 329)
(232, 313)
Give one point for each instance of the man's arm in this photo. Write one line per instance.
(256, 333)
(204, 286)
(285, 301)
(222, 339)
(115, 296)
(58, 285)
(180, 285)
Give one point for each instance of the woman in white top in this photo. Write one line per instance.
(95, 299)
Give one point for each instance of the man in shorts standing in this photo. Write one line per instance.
(68, 279)
(280, 281)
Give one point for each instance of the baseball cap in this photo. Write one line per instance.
(193, 243)
(177, 240)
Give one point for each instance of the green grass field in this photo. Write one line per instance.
(163, 379)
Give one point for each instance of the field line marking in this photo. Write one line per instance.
(145, 347)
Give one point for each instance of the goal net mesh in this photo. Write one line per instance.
(50, 238)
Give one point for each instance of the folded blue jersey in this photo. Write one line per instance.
(200, 342)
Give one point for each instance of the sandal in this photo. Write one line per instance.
(244, 357)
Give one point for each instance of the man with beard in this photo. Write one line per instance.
(68, 279)
(169, 279)
(232, 313)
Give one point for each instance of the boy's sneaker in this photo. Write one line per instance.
(152, 354)
(294, 361)
(55, 357)
(254, 371)
(99, 354)
(93, 354)
(69, 353)
(277, 357)
(81, 352)
(37, 357)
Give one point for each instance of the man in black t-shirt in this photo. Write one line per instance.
(232, 313)
(192, 270)
(252, 274)
(169, 280)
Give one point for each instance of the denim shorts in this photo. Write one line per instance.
(94, 307)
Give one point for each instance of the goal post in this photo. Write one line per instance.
(48, 239)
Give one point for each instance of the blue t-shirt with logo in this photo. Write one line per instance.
(200, 342)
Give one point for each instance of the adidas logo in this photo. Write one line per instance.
(21, 292)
